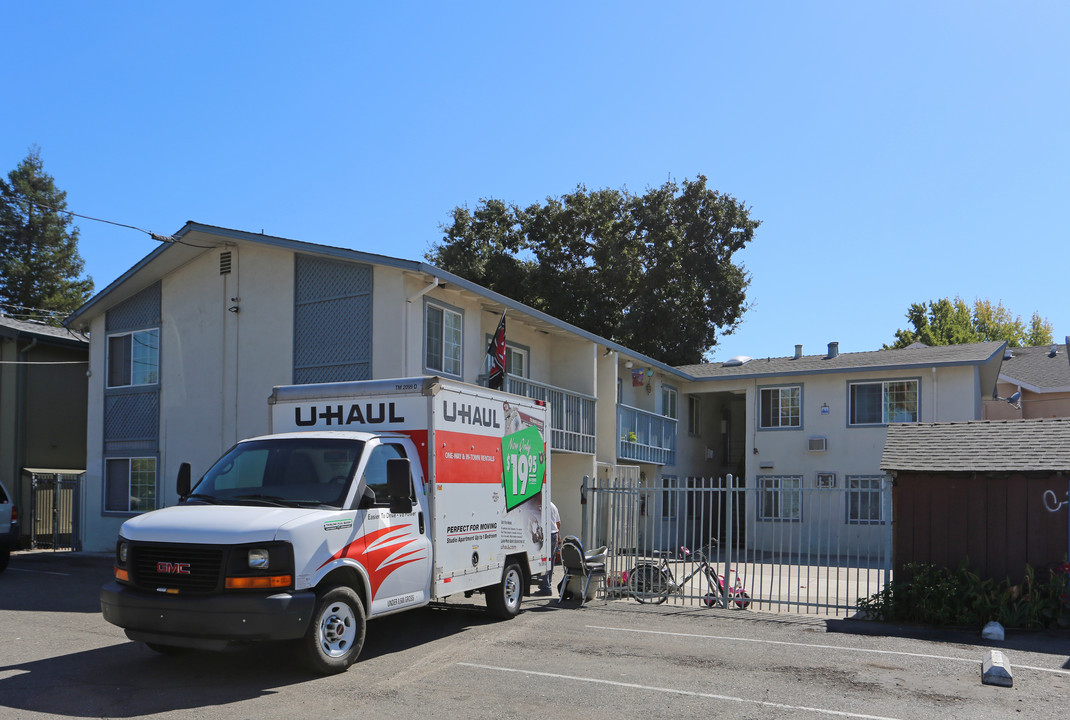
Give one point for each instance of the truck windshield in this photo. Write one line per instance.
(297, 472)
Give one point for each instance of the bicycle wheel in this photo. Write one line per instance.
(649, 583)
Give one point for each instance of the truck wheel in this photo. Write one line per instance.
(5, 555)
(336, 634)
(504, 598)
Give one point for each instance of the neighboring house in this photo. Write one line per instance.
(1041, 375)
(819, 421)
(188, 343)
(992, 492)
(43, 390)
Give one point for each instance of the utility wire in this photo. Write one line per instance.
(154, 236)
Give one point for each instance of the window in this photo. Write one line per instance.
(134, 358)
(692, 415)
(864, 499)
(668, 496)
(516, 361)
(670, 402)
(130, 484)
(305, 471)
(780, 498)
(880, 403)
(781, 407)
(375, 471)
(442, 340)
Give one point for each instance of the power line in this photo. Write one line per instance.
(154, 236)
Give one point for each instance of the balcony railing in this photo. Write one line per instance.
(645, 436)
(572, 426)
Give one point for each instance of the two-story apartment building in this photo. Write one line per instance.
(187, 344)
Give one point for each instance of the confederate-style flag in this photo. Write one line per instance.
(496, 357)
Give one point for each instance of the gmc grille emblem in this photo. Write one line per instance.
(169, 568)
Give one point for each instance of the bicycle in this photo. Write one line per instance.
(652, 582)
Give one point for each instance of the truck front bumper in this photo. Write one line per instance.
(206, 621)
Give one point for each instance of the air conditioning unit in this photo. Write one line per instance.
(817, 444)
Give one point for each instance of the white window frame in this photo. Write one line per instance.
(452, 366)
(864, 497)
(886, 416)
(150, 503)
(517, 351)
(783, 421)
(670, 402)
(779, 498)
(134, 376)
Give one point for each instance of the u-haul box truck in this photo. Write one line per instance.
(368, 498)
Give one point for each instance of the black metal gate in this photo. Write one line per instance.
(54, 510)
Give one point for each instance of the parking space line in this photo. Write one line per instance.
(815, 646)
(673, 691)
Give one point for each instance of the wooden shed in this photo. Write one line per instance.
(992, 491)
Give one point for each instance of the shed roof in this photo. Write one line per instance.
(10, 327)
(1041, 444)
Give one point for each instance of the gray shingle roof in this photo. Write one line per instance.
(1031, 367)
(1041, 444)
(974, 353)
(22, 327)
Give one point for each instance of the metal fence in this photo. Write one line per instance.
(54, 510)
(789, 548)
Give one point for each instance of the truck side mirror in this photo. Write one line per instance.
(183, 481)
(399, 484)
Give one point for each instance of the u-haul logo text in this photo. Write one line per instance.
(353, 414)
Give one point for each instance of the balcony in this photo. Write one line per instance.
(645, 436)
(572, 426)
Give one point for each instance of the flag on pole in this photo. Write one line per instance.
(496, 357)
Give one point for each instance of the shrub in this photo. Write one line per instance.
(938, 596)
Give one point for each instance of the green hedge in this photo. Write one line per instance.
(938, 596)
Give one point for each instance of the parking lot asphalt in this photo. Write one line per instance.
(59, 658)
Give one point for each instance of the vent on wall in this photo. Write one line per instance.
(224, 262)
(817, 444)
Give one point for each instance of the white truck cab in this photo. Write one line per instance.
(373, 498)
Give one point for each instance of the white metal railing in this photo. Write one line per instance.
(646, 436)
(572, 414)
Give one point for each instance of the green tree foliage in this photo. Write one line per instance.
(39, 260)
(954, 322)
(653, 272)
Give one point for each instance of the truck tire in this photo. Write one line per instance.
(5, 555)
(503, 599)
(336, 634)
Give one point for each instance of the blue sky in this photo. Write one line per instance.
(895, 152)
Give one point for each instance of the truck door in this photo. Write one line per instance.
(397, 556)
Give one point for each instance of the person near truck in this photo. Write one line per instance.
(545, 587)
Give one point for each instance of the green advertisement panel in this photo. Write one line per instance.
(524, 465)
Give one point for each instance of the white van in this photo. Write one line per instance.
(369, 498)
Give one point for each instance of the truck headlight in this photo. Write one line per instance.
(123, 552)
(259, 559)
